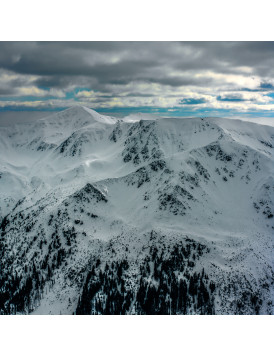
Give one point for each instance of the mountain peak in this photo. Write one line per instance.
(79, 109)
(77, 114)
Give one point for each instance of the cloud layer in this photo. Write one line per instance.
(198, 77)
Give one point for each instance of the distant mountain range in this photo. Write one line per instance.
(101, 215)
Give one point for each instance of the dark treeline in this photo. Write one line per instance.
(166, 285)
(22, 290)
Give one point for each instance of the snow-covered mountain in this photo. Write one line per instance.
(136, 216)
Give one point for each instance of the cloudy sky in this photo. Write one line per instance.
(178, 78)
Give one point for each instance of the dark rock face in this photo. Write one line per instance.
(141, 144)
(175, 199)
(116, 133)
(89, 193)
(218, 152)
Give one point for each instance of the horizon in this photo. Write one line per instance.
(25, 116)
(175, 79)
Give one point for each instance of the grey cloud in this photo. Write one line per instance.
(231, 98)
(103, 66)
(7, 91)
(69, 58)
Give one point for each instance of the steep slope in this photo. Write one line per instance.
(155, 216)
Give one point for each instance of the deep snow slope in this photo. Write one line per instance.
(136, 216)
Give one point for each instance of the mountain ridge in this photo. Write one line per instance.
(199, 191)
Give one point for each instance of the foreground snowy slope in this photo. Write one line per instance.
(136, 216)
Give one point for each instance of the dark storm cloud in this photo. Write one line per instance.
(228, 56)
(6, 91)
(121, 62)
(181, 81)
(55, 81)
(72, 59)
(132, 69)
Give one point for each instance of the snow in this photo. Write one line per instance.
(74, 147)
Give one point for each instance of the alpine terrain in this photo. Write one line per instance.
(139, 215)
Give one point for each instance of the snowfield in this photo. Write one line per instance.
(140, 215)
